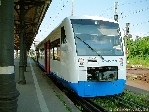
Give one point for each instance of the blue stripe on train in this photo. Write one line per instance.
(93, 89)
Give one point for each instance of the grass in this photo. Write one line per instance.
(138, 98)
(138, 61)
(113, 105)
(68, 108)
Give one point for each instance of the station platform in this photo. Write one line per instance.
(39, 94)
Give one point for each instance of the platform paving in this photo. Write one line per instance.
(39, 94)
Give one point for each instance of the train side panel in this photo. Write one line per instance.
(68, 54)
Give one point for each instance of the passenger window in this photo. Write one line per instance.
(55, 51)
(58, 53)
(51, 53)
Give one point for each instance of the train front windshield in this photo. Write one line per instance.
(97, 35)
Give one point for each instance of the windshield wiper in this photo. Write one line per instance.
(90, 48)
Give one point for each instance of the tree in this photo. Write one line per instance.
(138, 48)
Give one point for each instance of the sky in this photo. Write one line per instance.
(135, 12)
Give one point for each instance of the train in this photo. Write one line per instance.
(86, 54)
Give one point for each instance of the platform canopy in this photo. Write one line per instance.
(34, 12)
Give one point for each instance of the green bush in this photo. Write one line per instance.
(138, 51)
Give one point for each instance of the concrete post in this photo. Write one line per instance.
(21, 64)
(8, 91)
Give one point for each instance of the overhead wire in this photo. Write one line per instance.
(135, 12)
(119, 5)
(56, 12)
(141, 23)
(62, 4)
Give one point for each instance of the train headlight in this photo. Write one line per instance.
(81, 61)
(115, 75)
(100, 76)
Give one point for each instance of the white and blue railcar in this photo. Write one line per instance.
(89, 67)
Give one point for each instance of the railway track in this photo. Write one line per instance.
(86, 105)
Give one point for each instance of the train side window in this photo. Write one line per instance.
(55, 53)
(51, 53)
(63, 36)
(58, 53)
(41, 53)
(56, 50)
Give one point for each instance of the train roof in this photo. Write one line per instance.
(91, 17)
(78, 17)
